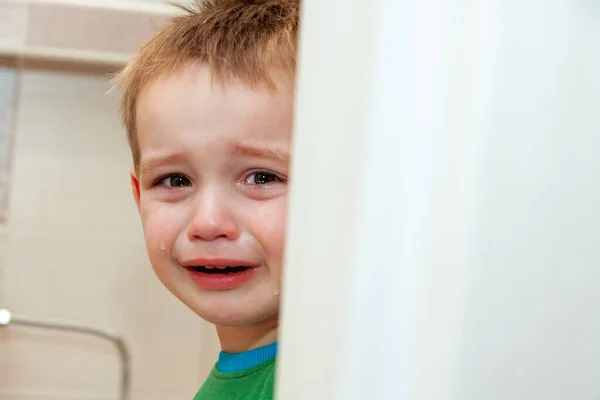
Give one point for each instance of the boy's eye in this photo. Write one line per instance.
(260, 178)
(174, 181)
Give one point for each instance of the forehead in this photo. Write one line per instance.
(189, 108)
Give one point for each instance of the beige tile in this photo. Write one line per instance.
(71, 160)
(69, 26)
(13, 23)
(3, 256)
(63, 113)
(8, 90)
(101, 282)
(72, 194)
(45, 394)
(33, 359)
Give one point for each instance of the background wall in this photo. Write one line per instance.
(71, 246)
(72, 251)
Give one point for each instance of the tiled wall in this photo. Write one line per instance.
(71, 246)
(102, 33)
(8, 91)
(82, 28)
(72, 251)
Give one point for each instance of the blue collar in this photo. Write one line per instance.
(229, 362)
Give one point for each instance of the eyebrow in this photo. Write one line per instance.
(276, 154)
(151, 162)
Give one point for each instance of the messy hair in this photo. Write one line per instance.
(237, 39)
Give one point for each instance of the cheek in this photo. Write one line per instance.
(162, 224)
(268, 225)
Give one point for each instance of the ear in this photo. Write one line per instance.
(135, 188)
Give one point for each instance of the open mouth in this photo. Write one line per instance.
(220, 274)
(220, 270)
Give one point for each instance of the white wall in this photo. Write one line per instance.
(73, 251)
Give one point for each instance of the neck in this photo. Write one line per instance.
(244, 338)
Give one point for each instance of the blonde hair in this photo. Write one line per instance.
(243, 39)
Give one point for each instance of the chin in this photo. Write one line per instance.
(234, 317)
(231, 308)
(237, 307)
(231, 319)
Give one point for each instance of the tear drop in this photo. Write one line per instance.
(163, 247)
(276, 293)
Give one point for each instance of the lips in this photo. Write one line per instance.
(220, 274)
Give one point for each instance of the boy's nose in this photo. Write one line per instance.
(212, 220)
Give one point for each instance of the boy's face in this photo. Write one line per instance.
(212, 191)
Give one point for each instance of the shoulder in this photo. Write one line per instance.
(256, 383)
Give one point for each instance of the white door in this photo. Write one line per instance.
(444, 236)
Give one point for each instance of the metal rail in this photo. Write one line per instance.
(117, 341)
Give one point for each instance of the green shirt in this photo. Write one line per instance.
(254, 383)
